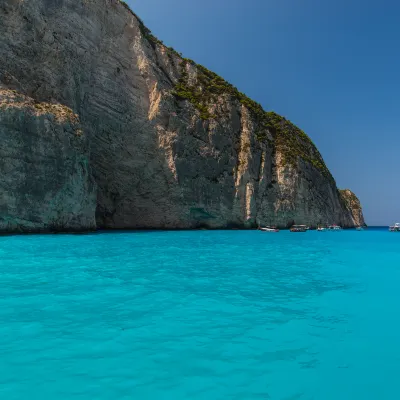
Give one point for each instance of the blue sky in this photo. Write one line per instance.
(331, 67)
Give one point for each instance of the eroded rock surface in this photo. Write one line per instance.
(171, 144)
(353, 205)
(45, 179)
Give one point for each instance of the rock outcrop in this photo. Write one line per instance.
(45, 181)
(172, 145)
(353, 205)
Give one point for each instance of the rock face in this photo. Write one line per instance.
(352, 203)
(45, 180)
(172, 145)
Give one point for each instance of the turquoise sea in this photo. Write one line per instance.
(200, 315)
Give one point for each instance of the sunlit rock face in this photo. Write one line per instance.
(170, 144)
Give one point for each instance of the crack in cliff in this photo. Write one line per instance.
(165, 134)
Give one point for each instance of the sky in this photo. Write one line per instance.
(331, 67)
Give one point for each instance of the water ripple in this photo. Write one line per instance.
(200, 315)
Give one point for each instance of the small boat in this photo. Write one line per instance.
(359, 228)
(298, 228)
(395, 227)
(334, 227)
(321, 229)
(269, 229)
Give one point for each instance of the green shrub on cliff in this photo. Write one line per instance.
(204, 90)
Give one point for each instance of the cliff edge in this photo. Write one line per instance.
(353, 205)
(171, 144)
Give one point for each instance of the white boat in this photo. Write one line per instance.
(298, 228)
(395, 227)
(269, 229)
(334, 227)
(359, 228)
(321, 229)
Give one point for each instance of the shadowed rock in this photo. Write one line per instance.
(166, 135)
(45, 180)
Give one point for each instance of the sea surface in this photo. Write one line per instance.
(200, 315)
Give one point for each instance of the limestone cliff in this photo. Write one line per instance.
(172, 145)
(352, 203)
(45, 182)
